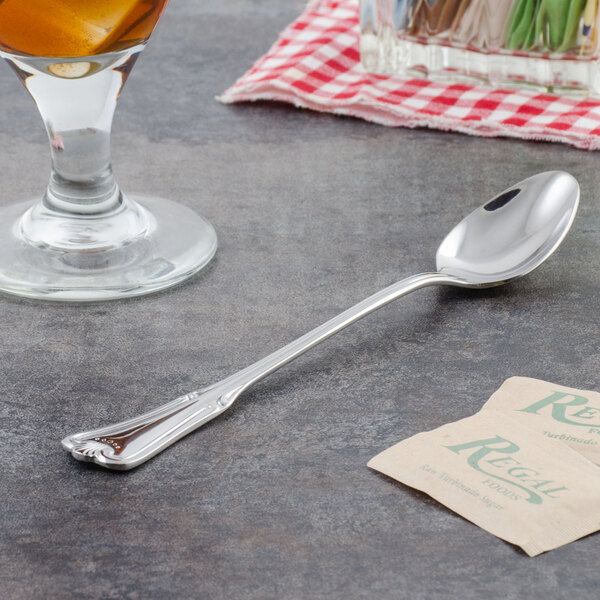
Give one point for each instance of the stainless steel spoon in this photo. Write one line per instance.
(504, 239)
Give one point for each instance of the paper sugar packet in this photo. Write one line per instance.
(516, 483)
(558, 412)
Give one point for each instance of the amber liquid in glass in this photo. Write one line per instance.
(74, 28)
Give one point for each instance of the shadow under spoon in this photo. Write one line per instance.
(502, 240)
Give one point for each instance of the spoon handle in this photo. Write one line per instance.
(260, 369)
(130, 443)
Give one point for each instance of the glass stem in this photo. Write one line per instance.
(77, 101)
(81, 179)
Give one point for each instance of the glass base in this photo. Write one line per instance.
(145, 245)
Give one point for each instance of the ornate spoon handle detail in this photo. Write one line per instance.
(130, 443)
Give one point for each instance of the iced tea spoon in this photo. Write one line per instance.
(505, 238)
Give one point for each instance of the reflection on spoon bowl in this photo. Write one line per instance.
(512, 234)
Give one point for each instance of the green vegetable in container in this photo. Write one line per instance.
(521, 31)
(559, 21)
(552, 23)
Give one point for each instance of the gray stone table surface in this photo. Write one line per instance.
(314, 212)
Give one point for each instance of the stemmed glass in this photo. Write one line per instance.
(84, 239)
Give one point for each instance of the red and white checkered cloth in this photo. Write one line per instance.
(315, 64)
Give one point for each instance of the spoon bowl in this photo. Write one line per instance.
(512, 234)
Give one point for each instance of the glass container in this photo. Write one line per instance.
(545, 45)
